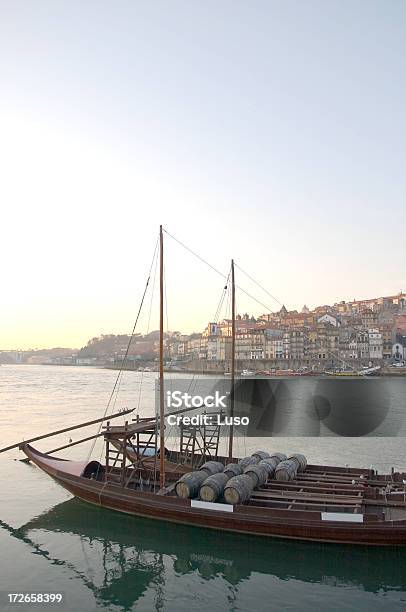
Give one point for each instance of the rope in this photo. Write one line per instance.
(195, 376)
(117, 381)
(101, 491)
(195, 254)
(259, 285)
(242, 289)
(267, 308)
(148, 328)
(221, 302)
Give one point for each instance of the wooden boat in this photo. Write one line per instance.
(368, 371)
(324, 504)
(317, 503)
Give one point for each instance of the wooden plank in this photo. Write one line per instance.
(338, 469)
(299, 506)
(121, 430)
(54, 450)
(293, 485)
(333, 479)
(309, 496)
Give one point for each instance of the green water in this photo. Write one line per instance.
(104, 560)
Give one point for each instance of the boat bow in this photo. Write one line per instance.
(53, 465)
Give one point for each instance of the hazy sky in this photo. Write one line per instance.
(270, 131)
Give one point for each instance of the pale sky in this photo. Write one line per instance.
(272, 132)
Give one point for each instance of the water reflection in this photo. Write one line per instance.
(119, 557)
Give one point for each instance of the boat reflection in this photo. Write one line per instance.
(125, 556)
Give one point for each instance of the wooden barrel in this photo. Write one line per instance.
(261, 454)
(212, 467)
(238, 489)
(233, 469)
(279, 456)
(248, 461)
(286, 470)
(258, 473)
(189, 484)
(301, 461)
(213, 486)
(270, 466)
(295, 461)
(271, 461)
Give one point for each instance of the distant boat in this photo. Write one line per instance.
(366, 371)
(286, 372)
(247, 373)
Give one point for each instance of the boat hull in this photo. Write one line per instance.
(245, 519)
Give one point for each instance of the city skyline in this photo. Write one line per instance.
(223, 316)
(270, 133)
(369, 333)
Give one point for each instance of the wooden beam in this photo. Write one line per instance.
(231, 435)
(274, 485)
(61, 431)
(54, 450)
(323, 498)
(161, 364)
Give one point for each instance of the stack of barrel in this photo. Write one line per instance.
(257, 469)
(188, 486)
(235, 482)
(288, 469)
(214, 486)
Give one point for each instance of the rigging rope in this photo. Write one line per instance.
(267, 308)
(117, 381)
(246, 292)
(258, 284)
(148, 326)
(221, 302)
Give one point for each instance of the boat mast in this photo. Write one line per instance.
(230, 441)
(161, 363)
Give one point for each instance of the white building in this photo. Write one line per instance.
(86, 361)
(286, 345)
(274, 345)
(399, 348)
(293, 344)
(249, 345)
(375, 344)
(212, 347)
(219, 347)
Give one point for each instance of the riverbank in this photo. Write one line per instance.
(220, 369)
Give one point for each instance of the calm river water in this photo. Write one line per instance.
(104, 560)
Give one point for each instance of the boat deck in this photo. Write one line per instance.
(334, 490)
(316, 489)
